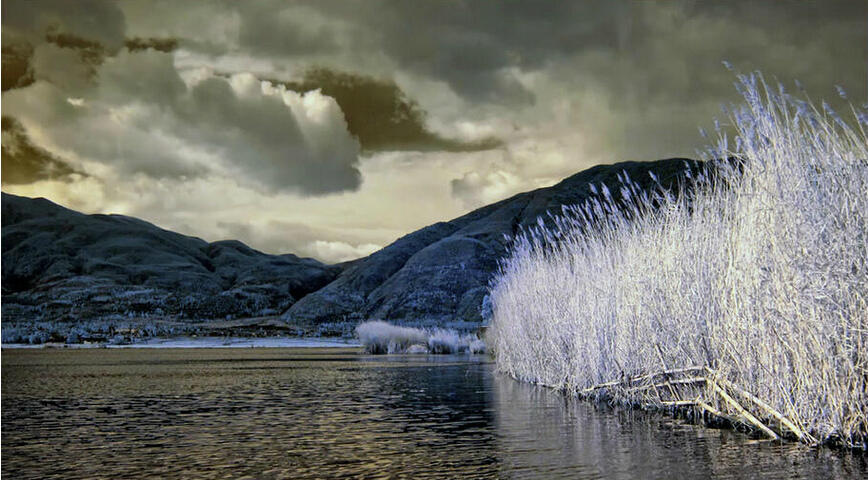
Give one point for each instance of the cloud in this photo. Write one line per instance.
(140, 117)
(526, 165)
(342, 251)
(85, 22)
(477, 189)
(380, 114)
(669, 49)
(286, 29)
(657, 65)
(24, 162)
(164, 45)
(16, 64)
(77, 34)
(63, 59)
(300, 239)
(71, 69)
(286, 141)
(476, 46)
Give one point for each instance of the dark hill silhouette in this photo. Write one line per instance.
(59, 264)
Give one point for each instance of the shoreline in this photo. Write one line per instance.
(202, 342)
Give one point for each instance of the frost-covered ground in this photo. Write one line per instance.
(208, 342)
(120, 330)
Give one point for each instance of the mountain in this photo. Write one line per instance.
(61, 265)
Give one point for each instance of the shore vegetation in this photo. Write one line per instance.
(743, 293)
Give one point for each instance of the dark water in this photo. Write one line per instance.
(328, 413)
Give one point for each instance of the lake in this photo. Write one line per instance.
(336, 413)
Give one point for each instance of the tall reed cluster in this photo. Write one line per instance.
(760, 272)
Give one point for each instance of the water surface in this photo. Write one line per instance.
(335, 413)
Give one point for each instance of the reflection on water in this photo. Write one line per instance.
(543, 434)
(333, 413)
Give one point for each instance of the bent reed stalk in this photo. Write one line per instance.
(758, 274)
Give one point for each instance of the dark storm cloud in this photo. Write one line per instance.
(471, 44)
(380, 114)
(165, 45)
(17, 72)
(24, 162)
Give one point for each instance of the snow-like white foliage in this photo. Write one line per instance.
(382, 337)
(416, 349)
(485, 310)
(96, 330)
(761, 273)
(477, 346)
(450, 341)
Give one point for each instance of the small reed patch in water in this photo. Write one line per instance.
(380, 337)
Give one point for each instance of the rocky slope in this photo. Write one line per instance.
(62, 265)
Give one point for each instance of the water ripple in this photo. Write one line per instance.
(284, 413)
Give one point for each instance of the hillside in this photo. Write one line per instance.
(59, 264)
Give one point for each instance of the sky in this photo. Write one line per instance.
(331, 128)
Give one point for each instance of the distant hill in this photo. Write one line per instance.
(61, 265)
